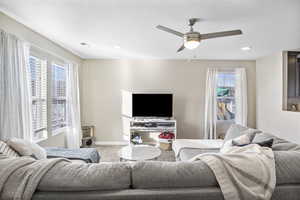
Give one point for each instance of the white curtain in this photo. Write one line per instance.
(211, 104)
(15, 94)
(241, 96)
(73, 135)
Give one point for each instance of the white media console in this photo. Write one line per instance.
(148, 129)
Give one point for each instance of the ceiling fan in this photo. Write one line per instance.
(191, 39)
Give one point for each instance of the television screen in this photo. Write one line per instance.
(152, 105)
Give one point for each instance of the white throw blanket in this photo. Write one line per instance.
(19, 177)
(243, 173)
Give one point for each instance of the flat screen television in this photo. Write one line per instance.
(152, 105)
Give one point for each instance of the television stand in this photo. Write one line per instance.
(148, 129)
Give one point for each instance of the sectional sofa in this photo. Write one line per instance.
(161, 180)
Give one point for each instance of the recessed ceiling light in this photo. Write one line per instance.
(248, 48)
(117, 47)
(83, 44)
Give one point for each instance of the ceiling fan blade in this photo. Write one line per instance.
(220, 34)
(181, 48)
(163, 28)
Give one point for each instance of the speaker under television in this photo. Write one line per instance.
(147, 105)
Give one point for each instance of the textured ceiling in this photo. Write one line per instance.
(268, 26)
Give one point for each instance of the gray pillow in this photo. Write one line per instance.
(261, 137)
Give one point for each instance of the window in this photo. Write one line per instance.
(48, 88)
(226, 96)
(38, 69)
(59, 103)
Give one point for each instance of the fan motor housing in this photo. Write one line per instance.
(192, 36)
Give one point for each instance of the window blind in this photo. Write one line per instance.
(38, 69)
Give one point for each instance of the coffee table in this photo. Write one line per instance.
(139, 152)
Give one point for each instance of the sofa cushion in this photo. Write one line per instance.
(68, 176)
(287, 167)
(153, 174)
(6, 150)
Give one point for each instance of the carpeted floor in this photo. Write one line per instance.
(111, 154)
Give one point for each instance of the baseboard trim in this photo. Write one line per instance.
(108, 143)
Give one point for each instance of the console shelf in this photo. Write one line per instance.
(147, 128)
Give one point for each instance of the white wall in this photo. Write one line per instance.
(11, 26)
(270, 116)
(103, 80)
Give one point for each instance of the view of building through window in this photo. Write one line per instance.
(226, 96)
(58, 96)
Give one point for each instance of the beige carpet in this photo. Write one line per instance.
(111, 154)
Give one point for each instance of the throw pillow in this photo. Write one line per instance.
(266, 143)
(261, 137)
(6, 150)
(236, 130)
(27, 148)
(38, 151)
(21, 146)
(244, 139)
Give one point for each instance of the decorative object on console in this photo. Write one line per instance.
(166, 140)
(167, 135)
(136, 139)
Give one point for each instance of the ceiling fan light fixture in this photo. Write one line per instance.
(191, 40)
(246, 48)
(191, 44)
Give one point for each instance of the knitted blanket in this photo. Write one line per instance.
(243, 172)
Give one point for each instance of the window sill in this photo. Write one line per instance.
(40, 140)
(59, 131)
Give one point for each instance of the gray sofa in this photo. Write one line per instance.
(177, 180)
(169, 180)
(161, 180)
